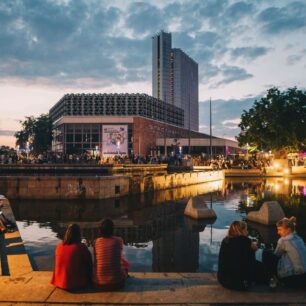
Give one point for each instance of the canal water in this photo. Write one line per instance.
(156, 234)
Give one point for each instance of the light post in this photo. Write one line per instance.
(118, 146)
(247, 148)
(27, 149)
(17, 153)
(96, 150)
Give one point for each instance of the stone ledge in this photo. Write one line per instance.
(145, 288)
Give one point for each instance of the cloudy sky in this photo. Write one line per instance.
(52, 47)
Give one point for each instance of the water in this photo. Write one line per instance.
(157, 236)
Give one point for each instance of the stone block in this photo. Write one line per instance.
(196, 208)
(269, 213)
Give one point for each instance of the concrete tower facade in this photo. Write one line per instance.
(175, 78)
(161, 62)
(185, 90)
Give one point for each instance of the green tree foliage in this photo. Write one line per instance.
(276, 122)
(37, 132)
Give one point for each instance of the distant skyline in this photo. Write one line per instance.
(49, 48)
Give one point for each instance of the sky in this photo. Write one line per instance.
(52, 47)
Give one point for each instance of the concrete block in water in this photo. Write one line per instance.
(269, 213)
(197, 208)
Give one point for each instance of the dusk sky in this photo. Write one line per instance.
(49, 48)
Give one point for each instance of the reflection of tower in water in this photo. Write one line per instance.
(176, 251)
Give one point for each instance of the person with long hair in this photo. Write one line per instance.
(110, 267)
(73, 264)
(237, 263)
(288, 262)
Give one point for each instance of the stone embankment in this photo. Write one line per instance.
(98, 187)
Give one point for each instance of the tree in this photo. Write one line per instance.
(277, 122)
(37, 132)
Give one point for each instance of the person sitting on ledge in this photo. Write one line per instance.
(73, 264)
(288, 261)
(238, 268)
(110, 268)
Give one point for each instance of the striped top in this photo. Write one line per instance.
(107, 262)
(292, 252)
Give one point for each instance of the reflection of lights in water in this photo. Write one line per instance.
(276, 165)
(248, 202)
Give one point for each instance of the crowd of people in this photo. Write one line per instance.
(286, 265)
(218, 162)
(75, 269)
(107, 269)
(238, 268)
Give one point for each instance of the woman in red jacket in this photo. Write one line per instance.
(110, 268)
(73, 264)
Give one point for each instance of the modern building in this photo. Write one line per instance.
(112, 123)
(161, 67)
(126, 124)
(175, 78)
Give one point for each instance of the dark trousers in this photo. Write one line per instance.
(270, 261)
(295, 281)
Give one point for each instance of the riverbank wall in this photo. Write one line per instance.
(98, 187)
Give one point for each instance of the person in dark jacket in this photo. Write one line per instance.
(237, 258)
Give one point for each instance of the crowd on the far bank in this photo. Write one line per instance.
(218, 162)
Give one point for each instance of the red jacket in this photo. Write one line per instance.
(73, 266)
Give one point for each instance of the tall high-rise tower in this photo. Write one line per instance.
(175, 78)
(161, 53)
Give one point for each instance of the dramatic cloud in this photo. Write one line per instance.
(249, 53)
(100, 45)
(232, 74)
(277, 20)
(64, 41)
(7, 133)
(296, 58)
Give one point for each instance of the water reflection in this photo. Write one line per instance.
(157, 235)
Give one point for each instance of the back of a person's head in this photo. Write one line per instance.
(288, 223)
(72, 234)
(107, 228)
(237, 228)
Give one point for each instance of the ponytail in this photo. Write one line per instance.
(287, 223)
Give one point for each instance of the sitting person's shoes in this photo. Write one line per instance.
(274, 282)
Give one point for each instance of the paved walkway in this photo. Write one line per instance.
(144, 288)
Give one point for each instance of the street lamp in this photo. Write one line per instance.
(247, 148)
(118, 146)
(27, 149)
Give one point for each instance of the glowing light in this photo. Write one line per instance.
(286, 171)
(276, 165)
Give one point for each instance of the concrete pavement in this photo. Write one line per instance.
(144, 289)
